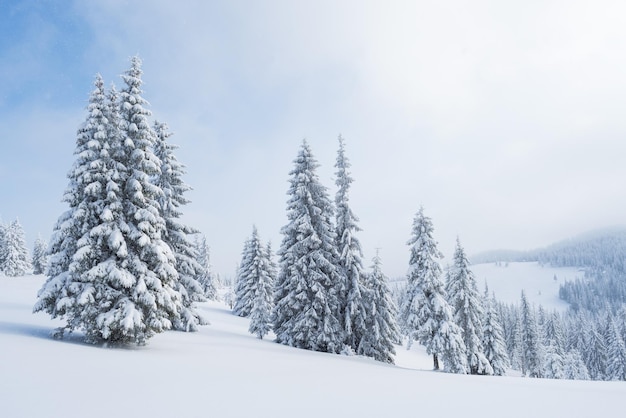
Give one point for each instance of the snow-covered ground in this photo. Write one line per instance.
(507, 280)
(222, 371)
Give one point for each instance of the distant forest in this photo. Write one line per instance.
(600, 253)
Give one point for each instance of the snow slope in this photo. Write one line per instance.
(507, 280)
(222, 371)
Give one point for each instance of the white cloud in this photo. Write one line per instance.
(502, 118)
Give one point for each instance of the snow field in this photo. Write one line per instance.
(507, 280)
(223, 371)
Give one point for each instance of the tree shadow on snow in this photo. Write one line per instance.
(37, 331)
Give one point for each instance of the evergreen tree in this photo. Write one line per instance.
(262, 304)
(15, 260)
(177, 235)
(574, 367)
(381, 328)
(111, 274)
(307, 312)
(493, 338)
(595, 353)
(40, 256)
(467, 308)
(205, 277)
(350, 256)
(426, 315)
(246, 273)
(532, 352)
(554, 367)
(3, 229)
(616, 353)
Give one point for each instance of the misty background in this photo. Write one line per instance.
(503, 119)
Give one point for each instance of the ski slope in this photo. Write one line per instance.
(222, 371)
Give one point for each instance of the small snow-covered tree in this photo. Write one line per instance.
(3, 229)
(205, 277)
(263, 302)
(255, 280)
(350, 255)
(244, 280)
(493, 338)
(616, 350)
(467, 309)
(178, 235)
(426, 315)
(307, 312)
(532, 349)
(15, 260)
(381, 331)
(40, 256)
(574, 367)
(595, 352)
(554, 348)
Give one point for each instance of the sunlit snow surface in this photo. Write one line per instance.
(222, 371)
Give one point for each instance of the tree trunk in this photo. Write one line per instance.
(436, 362)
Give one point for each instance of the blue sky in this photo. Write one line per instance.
(504, 119)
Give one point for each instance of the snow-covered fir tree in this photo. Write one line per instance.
(381, 326)
(307, 312)
(352, 301)
(616, 352)
(595, 352)
(255, 281)
(574, 367)
(205, 277)
(244, 279)
(15, 259)
(110, 273)
(40, 256)
(467, 309)
(493, 338)
(177, 235)
(532, 349)
(3, 229)
(554, 342)
(80, 260)
(263, 302)
(426, 315)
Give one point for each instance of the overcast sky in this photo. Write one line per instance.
(504, 119)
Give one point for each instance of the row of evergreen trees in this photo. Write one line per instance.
(322, 299)
(14, 258)
(571, 345)
(319, 298)
(445, 312)
(122, 265)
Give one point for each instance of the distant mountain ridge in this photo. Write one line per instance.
(598, 249)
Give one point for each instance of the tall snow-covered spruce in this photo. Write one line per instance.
(466, 303)
(177, 235)
(307, 312)
(111, 274)
(352, 303)
(425, 314)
